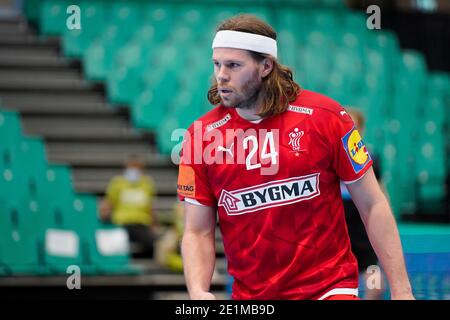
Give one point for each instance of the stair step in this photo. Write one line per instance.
(99, 187)
(28, 41)
(48, 52)
(88, 148)
(103, 154)
(13, 28)
(50, 98)
(88, 134)
(80, 127)
(19, 75)
(8, 38)
(96, 180)
(38, 108)
(12, 19)
(99, 160)
(27, 84)
(41, 62)
(169, 174)
(111, 121)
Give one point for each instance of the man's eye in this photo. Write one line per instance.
(216, 64)
(234, 65)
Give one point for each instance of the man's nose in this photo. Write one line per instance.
(222, 75)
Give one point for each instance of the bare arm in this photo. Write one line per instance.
(198, 249)
(382, 232)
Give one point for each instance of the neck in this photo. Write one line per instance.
(249, 109)
(248, 114)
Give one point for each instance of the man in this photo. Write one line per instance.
(128, 203)
(275, 182)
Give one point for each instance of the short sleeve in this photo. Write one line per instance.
(351, 159)
(193, 181)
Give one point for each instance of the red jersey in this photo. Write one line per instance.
(275, 185)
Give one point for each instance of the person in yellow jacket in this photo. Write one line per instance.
(128, 203)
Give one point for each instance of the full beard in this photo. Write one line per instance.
(249, 96)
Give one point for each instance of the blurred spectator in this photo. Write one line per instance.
(128, 203)
(168, 245)
(361, 247)
(167, 248)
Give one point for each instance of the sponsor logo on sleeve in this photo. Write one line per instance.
(186, 181)
(300, 109)
(272, 194)
(219, 123)
(356, 150)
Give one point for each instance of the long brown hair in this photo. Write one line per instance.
(279, 87)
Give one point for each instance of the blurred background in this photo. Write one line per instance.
(86, 84)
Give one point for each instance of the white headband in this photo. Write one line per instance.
(244, 40)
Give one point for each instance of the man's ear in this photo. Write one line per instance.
(266, 67)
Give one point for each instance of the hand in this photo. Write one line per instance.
(203, 295)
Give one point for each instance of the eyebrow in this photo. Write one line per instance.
(229, 61)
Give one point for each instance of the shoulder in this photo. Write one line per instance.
(319, 106)
(213, 119)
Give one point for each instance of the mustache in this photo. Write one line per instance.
(224, 86)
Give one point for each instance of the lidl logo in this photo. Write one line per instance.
(356, 150)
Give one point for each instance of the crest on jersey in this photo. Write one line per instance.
(356, 150)
(294, 139)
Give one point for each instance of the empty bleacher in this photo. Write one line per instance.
(60, 144)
